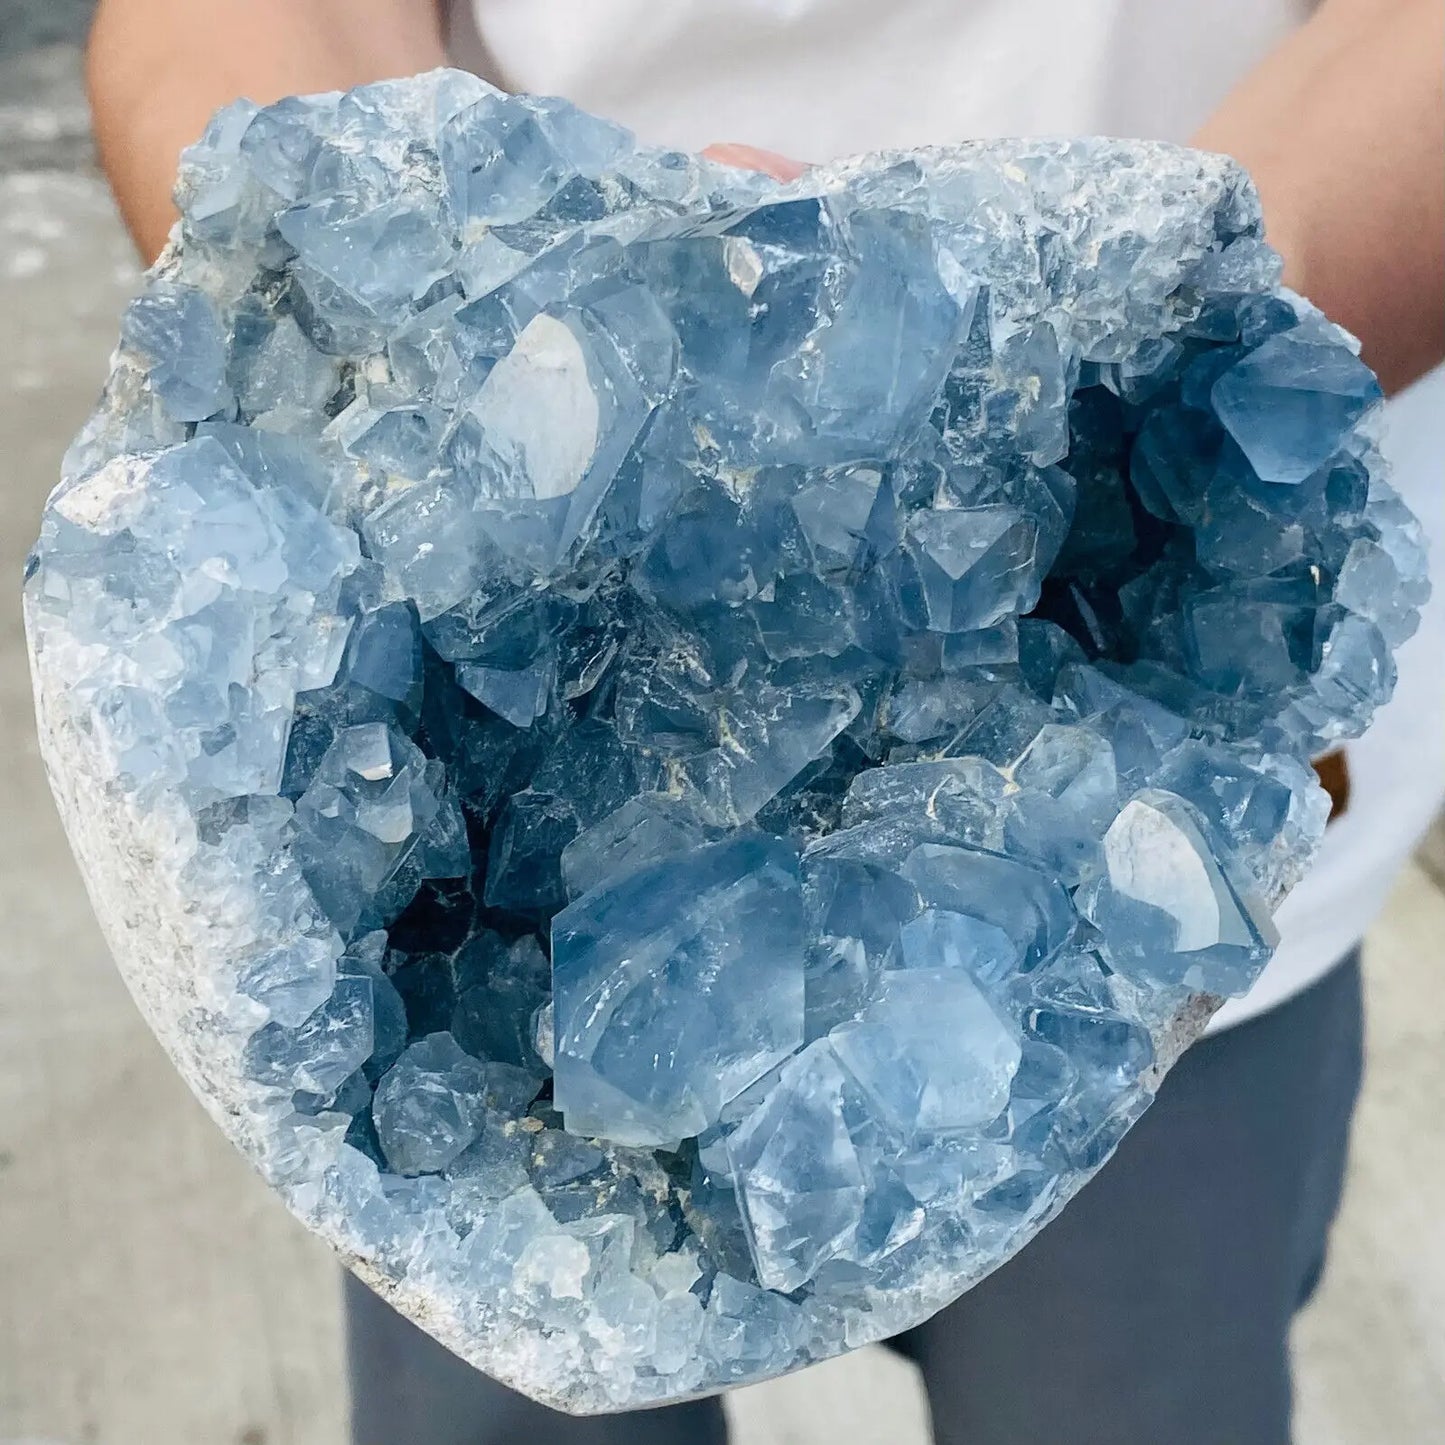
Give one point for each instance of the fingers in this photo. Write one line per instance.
(752, 158)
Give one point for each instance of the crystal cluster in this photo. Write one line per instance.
(675, 756)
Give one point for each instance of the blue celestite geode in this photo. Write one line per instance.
(675, 756)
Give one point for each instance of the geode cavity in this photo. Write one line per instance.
(674, 756)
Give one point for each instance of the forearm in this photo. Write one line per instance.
(1342, 130)
(157, 69)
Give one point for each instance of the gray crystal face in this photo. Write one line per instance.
(675, 756)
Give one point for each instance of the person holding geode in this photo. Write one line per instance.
(1157, 1308)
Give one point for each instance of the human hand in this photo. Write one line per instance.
(753, 158)
(1340, 129)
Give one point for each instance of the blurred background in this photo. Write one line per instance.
(152, 1292)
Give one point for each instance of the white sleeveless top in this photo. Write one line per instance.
(819, 79)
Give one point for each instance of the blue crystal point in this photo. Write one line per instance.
(429, 1105)
(1291, 401)
(674, 988)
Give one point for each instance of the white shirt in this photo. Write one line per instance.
(819, 79)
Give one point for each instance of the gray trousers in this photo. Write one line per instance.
(1154, 1311)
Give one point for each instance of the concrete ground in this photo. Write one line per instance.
(153, 1293)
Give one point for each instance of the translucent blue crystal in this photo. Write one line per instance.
(798, 1175)
(1291, 402)
(674, 755)
(674, 988)
(429, 1105)
(999, 915)
(976, 566)
(1167, 908)
(373, 823)
(642, 830)
(325, 1049)
(384, 655)
(500, 987)
(930, 1050)
(178, 331)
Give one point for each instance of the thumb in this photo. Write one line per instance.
(752, 158)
